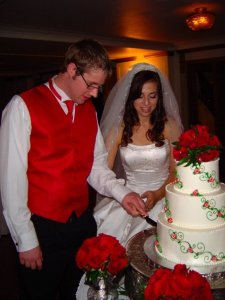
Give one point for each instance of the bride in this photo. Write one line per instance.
(140, 120)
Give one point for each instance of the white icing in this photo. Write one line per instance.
(191, 230)
(208, 243)
(196, 211)
(205, 182)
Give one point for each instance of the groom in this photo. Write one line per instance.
(50, 149)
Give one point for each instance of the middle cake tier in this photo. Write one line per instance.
(195, 211)
(194, 247)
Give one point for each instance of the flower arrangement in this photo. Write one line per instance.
(196, 145)
(101, 257)
(177, 284)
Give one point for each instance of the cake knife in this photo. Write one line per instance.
(150, 221)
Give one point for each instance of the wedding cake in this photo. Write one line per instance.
(191, 229)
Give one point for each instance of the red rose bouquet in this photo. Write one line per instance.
(101, 257)
(196, 145)
(177, 284)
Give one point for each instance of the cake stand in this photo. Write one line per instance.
(142, 266)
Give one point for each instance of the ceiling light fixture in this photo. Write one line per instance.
(201, 19)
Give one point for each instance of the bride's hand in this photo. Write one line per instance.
(151, 199)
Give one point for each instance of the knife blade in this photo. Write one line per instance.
(150, 221)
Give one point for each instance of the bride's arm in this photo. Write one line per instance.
(171, 133)
(152, 197)
(112, 146)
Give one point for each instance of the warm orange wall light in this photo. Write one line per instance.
(201, 19)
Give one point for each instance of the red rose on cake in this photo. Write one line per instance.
(196, 145)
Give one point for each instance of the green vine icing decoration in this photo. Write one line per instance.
(177, 183)
(157, 244)
(212, 212)
(203, 176)
(196, 193)
(167, 211)
(197, 250)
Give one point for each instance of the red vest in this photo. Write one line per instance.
(60, 157)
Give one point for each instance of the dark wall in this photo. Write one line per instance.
(206, 85)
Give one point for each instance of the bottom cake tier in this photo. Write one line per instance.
(144, 261)
(193, 247)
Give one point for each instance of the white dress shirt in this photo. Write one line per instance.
(14, 147)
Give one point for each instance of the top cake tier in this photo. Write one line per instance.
(198, 180)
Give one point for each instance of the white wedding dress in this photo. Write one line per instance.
(146, 168)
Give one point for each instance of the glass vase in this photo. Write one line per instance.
(103, 289)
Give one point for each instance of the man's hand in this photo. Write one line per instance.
(134, 205)
(32, 258)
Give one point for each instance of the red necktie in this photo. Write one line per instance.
(70, 104)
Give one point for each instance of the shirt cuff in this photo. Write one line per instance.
(119, 192)
(27, 241)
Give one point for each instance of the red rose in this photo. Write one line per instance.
(158, 280)
(103, 252)
(200, 288)
(202, 135)
(97, 258)
(187, 139)
(179, 283)
(209, 155)
(196, 145)
(116, 265)
(106, 241)
(214, 141)
(180, 153)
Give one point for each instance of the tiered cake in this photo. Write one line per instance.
(191, 230)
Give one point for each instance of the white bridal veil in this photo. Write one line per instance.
(114, 107)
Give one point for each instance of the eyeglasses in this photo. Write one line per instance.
(90, 86)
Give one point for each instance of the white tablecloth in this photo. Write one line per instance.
(83, 288)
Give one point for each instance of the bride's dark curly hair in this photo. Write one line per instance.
(158, 116)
